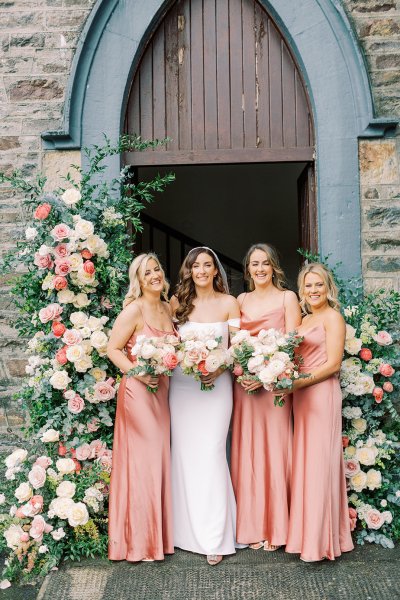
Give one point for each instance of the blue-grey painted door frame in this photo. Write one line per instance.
(323, 43)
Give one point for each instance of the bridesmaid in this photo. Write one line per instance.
(140, 514)
(319, 523)
(262, 432)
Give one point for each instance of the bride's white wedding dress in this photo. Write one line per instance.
(204, 508)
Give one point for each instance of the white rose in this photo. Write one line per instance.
(65, 465)
(37, 477)
(213, 362)
(255, 362)
(358, 482)
(387, 515)
(78, 514)
(43, 250)
(51, 435)
(84, 229)
(5, 583)
(61, 507)
(23, 492)
(265, 376)
(75, 353)
(60, 380)
(83, 364)
(13, 536)
(79, 319)
(374, 479)
(86, 279)
(2, 499)
(95, 323)
(86, 332)
(16, 458)
(30, 233)
(366, 455)
(43, 549)
(58, 534)
(353, 346)
(98, 339)
(65, 296)
(75, 260)
(350, 332)
(71, 196)
(276, 367)
(66, 489)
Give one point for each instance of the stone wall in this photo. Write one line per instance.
(37, 43)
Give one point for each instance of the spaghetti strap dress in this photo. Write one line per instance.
(140, 513)
(261, 453)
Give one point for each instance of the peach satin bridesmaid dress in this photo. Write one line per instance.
(261, 453)
(140, 513)
(319, 518)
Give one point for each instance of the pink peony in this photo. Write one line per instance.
(388, 386)
(37, 477)
(50, 312)
(353, 518)
(58, 328)
(61, 356)
(238, 371)
(351, 467)
(104, 391)
(383, 338)
(365, 354)
(43, 262)
(42, 211)
(170, 360)
(76, 405)
(83, 452)
(39, 527)
(88, 267)
(61, 250)
(374, 519)
(378, 394)
(386, 370)
(60, 232)
(59, 282)
(63, 266)
(93, 425)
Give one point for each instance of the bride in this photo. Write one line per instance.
(204, 509)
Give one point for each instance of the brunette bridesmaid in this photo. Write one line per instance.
(319, 523)
(140, 514)
(262, 432)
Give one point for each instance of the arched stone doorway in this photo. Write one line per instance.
(111, 46)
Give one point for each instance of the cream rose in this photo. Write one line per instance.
(84, 229)
(83, 452)
(60, 380)
(79, 319)
(78, 514)
(51, 435)
(75, 260)
(358, 482)
(75, 353)
(81, 300)
(37, 477)
(374, 479)
(16, 458)
(83, 364)
(71, 196)
(98, 374)
(23, 492)
(360, 425)
(66, 489)
(255, 362)
(65, 296)
(367, 455)
(65, 465)
(13, 536)
(95, 323)
(61, 507)
(98, 339)
(58, 534)
(353, 345)
(350, 451)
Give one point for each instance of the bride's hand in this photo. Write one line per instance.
(211, 377)
(249, 385)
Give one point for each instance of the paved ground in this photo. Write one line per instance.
(368, 573)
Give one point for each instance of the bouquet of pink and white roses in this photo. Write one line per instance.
(268, 358)
(155, 356)
(202, 354)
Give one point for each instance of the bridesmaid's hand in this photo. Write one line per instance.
(149, 380)
(250, 385)
(211, 377)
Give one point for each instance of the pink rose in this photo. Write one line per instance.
(42, 211)
(50, 312)
(76, 405)
(386, 370)
(97, 448)
(43, 262)
(86, 253)
(63, 266)
(378, 394)
(351, 467)
(83, 452)
(105, 303)
(93, 425)
(353, 518)
(104, 391)
(238, 371)
(365, 354)
(59, 282)
(88, 267)
(374, 519)
(33, 507)
(24, 537)
(388, 387)
(193, 355)
(37, 477)
(61, 250)
(60, 232)
(43, 461)
(58, 328)
(71, 337)
(383, 338)
(105, 460)
(170, 360)
(61, 356)
(39, 527)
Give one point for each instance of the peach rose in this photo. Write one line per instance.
(72, 337)
(353, 518)
(58, 328)
(193, 355)
(388, 386)
(238, 370)
(104, 391)
(89, 267)
(32, 508)
(60, 232)
(365, 353)
(351, 467)
(62, 450)
(50, 312)
(61, 250)
(97, 448)
(93, 425)
(86, 254)
(378, 394)
(202, 367)
(383, 338)
(386, 370)
(63, 266)
(42, 211)
(59, 282)
(37, 477)
(374, 519)
(76, 405)
(43, 262)
(61, 356)
(39, 527)
(170, 360)
(345, 441)
(83, 452)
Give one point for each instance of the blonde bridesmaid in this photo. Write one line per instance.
(262, 432)
(140, 514)
(319, 523)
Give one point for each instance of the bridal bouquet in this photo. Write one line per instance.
(155, 356)
(203, 353)
(268, 358)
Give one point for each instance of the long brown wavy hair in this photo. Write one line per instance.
(278, 276)
(186, 289)
(327, 278)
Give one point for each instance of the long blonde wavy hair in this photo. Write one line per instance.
(136, 273)
(327, 278)
(278, 276)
